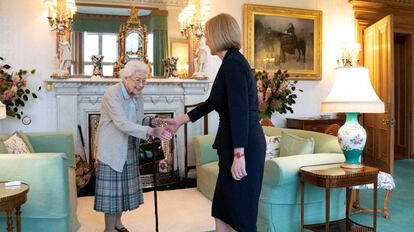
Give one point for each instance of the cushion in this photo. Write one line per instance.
(26, 140)
(295, 145)
(18, 143)
(272, 146)
(3, 149)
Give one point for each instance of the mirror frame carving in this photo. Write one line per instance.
(133, 24)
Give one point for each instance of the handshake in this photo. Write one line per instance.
(165, 129)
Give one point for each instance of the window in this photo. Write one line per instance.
(106, 44)
(100, 43)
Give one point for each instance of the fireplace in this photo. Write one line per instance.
(79, 99)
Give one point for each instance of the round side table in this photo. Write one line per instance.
(12, 198)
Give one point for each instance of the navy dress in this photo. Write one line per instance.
(234, 96)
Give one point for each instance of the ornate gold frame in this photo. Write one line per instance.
(250, 11)
(133, 24)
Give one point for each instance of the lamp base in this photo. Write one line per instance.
(352, 138)
(352, 166)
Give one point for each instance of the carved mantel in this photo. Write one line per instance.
(77, 98)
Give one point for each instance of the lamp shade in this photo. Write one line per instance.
(2, 110)
(352, 92)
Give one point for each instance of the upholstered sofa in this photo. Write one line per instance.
(51, 201)
(279, 205)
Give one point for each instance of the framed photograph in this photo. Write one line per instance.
(284, 38)
(180, 48)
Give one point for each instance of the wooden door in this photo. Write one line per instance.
(378, 58)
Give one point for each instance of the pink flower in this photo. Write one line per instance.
(260, 97)
(282, 86)
(13, 89)
(16, 79)
(259, 86)
(270, 76)
(268, 93)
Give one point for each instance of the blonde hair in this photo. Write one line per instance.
(133, 67)
(223, 33)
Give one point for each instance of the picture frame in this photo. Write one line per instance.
(283, 38)
(180, 48)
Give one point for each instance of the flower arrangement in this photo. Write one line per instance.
(13, 89)
(275, 92)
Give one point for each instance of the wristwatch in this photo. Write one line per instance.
(238, 155)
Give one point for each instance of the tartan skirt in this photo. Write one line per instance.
(116, 192)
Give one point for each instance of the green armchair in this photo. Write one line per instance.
(51, 201)
(279, 204)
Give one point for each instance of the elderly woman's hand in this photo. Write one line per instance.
(160, 133)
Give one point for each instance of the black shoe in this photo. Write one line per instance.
(123, 229)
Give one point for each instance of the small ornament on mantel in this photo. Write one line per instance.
(64, 60)
(97, 61)
(201, 60)
(170, 67)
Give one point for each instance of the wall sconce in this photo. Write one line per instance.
(60, 14)
(193, 18)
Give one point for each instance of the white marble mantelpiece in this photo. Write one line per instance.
(76, 98)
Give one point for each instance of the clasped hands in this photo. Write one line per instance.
(164, 129)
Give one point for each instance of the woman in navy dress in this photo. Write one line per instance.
(240, 141)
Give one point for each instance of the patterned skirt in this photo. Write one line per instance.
(116, 192)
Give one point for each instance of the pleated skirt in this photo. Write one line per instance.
(119, 191)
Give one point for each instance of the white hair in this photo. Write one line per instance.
(132, 67)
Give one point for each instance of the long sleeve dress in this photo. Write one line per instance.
(234, 97)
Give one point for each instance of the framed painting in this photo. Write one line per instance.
(284, 38)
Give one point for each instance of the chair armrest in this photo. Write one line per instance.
(47, 176)
(203, 149)
(54, 142)
(284, 170)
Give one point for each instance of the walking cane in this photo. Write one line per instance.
(154, 150)
(147, 121)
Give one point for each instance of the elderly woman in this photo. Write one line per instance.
(118, 186)
(240, 141)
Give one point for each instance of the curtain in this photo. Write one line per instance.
(158, 26)
(160, 50)
(77, 52)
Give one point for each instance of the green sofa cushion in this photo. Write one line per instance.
(295, 145)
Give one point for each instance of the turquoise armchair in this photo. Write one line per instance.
(51, 201)
(279, 204)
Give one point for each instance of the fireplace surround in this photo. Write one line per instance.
(77, 98)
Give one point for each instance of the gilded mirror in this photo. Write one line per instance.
(133, 42)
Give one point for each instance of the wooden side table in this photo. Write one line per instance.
(316, 124)
(333, 176)
(12, 198)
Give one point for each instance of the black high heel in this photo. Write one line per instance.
(123, 229)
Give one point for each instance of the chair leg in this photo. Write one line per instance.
(387, 214)
(356, 202)
(351, 202)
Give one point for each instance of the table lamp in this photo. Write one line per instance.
(2, 110)
(352, 93)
